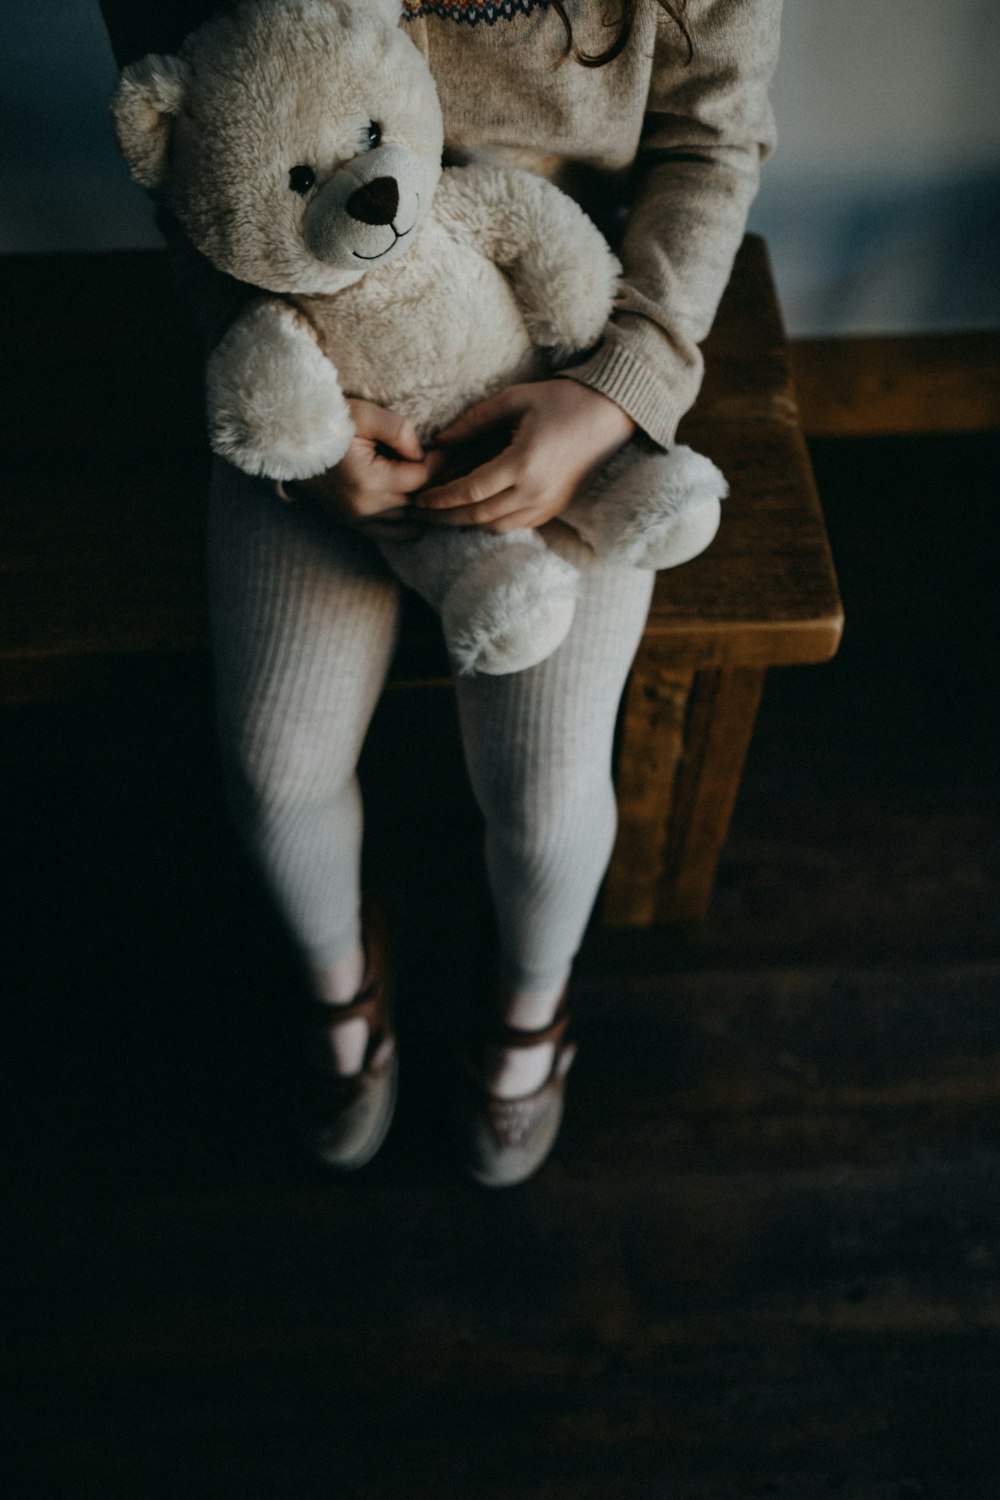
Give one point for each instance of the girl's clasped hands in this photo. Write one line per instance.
(542, 440)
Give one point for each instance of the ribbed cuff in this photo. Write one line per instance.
(640, 390)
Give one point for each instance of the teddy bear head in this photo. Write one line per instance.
(298, 141)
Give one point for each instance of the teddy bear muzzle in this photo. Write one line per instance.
(368, 209)
(375, 203)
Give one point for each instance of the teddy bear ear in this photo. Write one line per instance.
(149, 96)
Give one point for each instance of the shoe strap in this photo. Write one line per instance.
(364, 1007)
(370, 1004)
(516, 1037)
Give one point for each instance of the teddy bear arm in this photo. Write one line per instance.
(275, 403)
(564, 273)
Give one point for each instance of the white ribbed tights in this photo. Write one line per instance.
(305, 615)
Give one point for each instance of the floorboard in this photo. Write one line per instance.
(765, 1259)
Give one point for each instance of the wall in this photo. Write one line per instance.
(62, 181)
(882, 204)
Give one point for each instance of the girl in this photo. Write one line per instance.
(656, 119)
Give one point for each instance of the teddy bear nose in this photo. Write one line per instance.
(375, 203)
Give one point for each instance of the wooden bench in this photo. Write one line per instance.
(102, 488)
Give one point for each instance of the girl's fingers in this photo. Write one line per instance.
(433, 463)
(481, 485)
(406, 479)
(502, 407)
(480, 514)
(375, 424)
(397, 477)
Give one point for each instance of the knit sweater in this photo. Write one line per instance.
(663, 151)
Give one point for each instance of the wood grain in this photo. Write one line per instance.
(651, 750)
(914, 383)
(721, 717)
(684, 739)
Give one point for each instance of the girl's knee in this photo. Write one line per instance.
(551, 818)
(270, 762)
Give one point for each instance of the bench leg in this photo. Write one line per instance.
(684, 742)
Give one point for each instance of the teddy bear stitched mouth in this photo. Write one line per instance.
(373, 208)
(400, 235)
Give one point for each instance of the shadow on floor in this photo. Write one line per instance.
(764, 1259)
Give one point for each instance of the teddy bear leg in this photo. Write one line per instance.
(506, 602)
(650, 509)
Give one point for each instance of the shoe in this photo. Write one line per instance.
(505, 1141)
(343, 1119)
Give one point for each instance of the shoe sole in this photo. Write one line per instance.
(377, 1139)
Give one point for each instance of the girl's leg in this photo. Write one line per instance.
(538, 745)
(304, 617)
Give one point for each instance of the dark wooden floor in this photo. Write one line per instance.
(765, 1259)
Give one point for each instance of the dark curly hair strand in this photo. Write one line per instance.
(674, 8)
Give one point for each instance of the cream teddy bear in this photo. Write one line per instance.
(299, 143)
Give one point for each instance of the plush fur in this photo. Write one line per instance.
(299, 142)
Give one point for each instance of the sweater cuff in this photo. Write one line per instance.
(639, 385)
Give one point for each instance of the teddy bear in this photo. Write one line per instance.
(299, 143)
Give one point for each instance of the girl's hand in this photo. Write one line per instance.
(559, 431)
(370, 487)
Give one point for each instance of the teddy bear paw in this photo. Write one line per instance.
(513, 619)
(650, 509)
(678, 539)
(526, 643)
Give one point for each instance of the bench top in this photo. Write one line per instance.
(104, 468)
(765, 593)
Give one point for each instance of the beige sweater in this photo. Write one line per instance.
(679, 143)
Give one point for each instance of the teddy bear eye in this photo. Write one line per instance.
(373, 135)
(301, 179)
